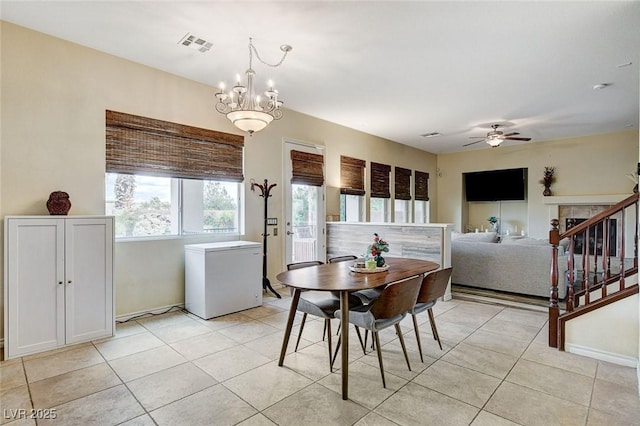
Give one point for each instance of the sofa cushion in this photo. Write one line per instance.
(516, 239)
(476, 237)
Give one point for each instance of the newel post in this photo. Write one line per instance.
(554, 310)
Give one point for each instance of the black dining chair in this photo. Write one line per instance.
(322, 307)
(366, 296)
(395, 301)
(433, 288)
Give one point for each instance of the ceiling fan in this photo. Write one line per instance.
(496, 137)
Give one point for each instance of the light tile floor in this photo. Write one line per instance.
(176, 369)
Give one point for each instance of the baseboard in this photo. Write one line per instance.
(155, 311)
(623, 360)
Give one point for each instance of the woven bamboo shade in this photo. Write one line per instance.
(352, 175)
(402, 184)
(380, 181)
(140, 145)
(421, 186)
(307, 168)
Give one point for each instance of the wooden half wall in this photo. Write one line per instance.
(419, 241)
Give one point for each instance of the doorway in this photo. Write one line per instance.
(304, 210)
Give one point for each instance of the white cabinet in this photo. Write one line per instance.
(58, 281)
(221, 278)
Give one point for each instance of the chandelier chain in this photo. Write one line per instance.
(252, 48)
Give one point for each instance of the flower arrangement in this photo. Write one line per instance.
(548, 179)
(494, 223)
(375, 250)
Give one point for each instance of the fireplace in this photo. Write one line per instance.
(582, 207)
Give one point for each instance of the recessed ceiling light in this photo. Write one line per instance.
(430, 135)
(195, 43)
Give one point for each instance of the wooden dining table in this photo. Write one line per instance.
(340, 278)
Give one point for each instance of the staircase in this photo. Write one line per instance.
(603, 271)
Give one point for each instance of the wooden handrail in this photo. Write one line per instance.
(572, 298)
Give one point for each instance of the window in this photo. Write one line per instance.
(379, 210)
(402, 201)
(421, 203)
(165, 178)
(146, 206)
(402, 211)
(380, 194)
(352, 172)
(421, 211)
(351, 208)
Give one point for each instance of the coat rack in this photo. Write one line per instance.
(265, 192)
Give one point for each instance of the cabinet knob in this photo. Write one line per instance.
(69, 282)
(60, 282)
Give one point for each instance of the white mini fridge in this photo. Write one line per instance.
(221, 278)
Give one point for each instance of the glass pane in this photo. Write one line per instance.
(378, 211)
(351, 208)
(304, 207)
(401, 211)
(209, 206)
(141, 205)
(419, 211)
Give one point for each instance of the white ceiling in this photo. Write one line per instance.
(395, 69)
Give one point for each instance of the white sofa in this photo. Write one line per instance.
(513, 264)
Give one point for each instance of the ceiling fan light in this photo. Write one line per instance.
(494, 142)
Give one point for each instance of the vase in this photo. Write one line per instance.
(547, 191)
(58, 203)
(380, 261)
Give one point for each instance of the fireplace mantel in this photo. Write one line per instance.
(574, 200)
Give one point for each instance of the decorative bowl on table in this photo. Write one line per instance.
(366, 270)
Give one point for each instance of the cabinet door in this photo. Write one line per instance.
(89, 278)
(34, 271)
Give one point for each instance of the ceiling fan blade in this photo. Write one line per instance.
(477, 137)
(473, 142)
(519, 139)
(511, 134)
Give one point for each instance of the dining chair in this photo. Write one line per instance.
(342, 258)
(322, 307)
(366, 296)
(433, 288)
(395, 301)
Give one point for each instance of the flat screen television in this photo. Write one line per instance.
(496, 185)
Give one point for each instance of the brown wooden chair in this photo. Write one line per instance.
(395, 301)
(433, 288)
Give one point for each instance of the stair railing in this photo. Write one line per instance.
(592, 279)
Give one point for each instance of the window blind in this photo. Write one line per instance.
(307, 168)
(402, 184)
(421, 186)
(141, 145)
(380, 180)
(352, 176)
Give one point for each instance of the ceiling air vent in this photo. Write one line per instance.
(430, 135)
(195, 43)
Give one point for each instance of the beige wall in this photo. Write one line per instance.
(54, 95)
(609, 333)
(593, 165)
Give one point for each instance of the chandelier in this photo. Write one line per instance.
(246, 110)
